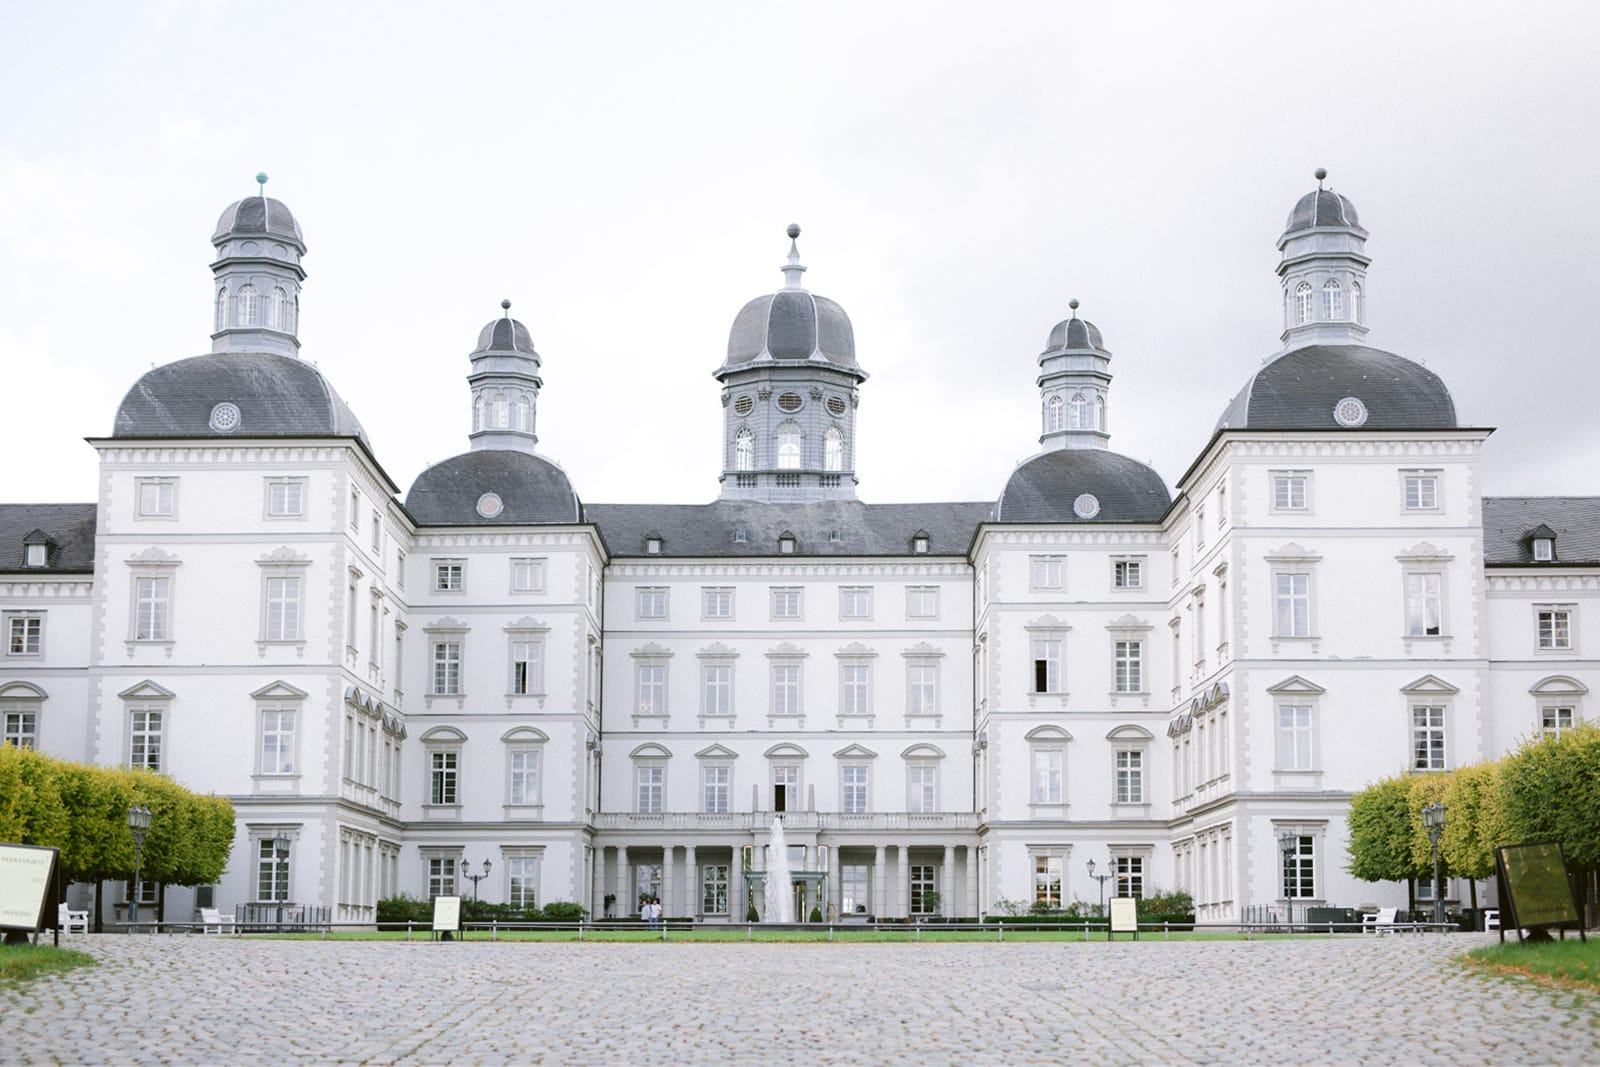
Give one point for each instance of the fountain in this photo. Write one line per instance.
(778, 890)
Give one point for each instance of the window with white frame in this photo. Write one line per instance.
(278, 741)
(855, 689)
(1302, 303)
(785, 602)
(444, 769)
(522, 878)
(1055, 414)
(651, 602)
(19, 723)
(152, 608)
(1554, 627)
(788, 446)
(1291, 490)
(145, 737)
(1424, 604)
(447, 668)
(1293, 599)
(1078, 412)
(1047, 663)
(744, 450)
(1049, 774)
(442, 875)
(1129, 873)
(527, 665)
(285, 498)
(922, 780)
(1045, 572)
(1129, 776)
(714, 894)
(1128, 665)
(716, 689)
(272, 869)
(922, 688)
(1127, 573)
(1421, 490)
(924, 880)
(449, 575)
(922, 602)
(1555, 719)
(832, 449)
(1294, 737)
(1332, 301)
(854, 788)
(522, 774)
(855, 602)
(157, 498)
(1427, 737)
(282, 608)
(650, 782)
(785, 689)
(24, 633)
(785, 785)
(716, 787)
(716, 602)
(651, 685)
(1300, 867)
(527, 575)
(855, 888)
(1048, 881)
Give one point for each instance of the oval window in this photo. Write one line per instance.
(790, 402)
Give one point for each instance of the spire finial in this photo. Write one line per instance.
(261, 180)
(505, 306)
(1320, 173)
(792, 270)
(1073, 304)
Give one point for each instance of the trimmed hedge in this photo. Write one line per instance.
(406, 908)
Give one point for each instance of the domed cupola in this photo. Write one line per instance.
(505, 385)
(257, 276)
(1074, 379)
(1323, 271)
(789, 394)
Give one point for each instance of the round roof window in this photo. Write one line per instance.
(490, 505)
(1350, 412)
(1086, 506)
(225, 417)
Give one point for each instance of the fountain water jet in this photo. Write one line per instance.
(779, 890)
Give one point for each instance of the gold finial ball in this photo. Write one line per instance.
(1320, 173)
(505, 305)
(793, 230)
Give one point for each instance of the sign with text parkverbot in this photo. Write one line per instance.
(27, 874)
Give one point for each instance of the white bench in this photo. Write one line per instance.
(69, 920)
(1380, 921)
(211, 920)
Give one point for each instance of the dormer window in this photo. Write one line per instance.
(36, 555)
(652, 544)
(786, 544)
(1544, 549)
(920, 542)
(739, 537)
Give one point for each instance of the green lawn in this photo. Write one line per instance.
(1570, 964)
(22, 962)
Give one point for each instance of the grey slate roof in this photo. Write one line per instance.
(531, 490)
(1509, 520)
(702, 530)
(791, 324)
(1075, 333)
(259, 215)
(1322, 207)
(277, 396)
(1300, 389)
(69, 527)
(1043, 489)
(505, 335)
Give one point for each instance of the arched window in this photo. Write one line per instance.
(294, 315)
(1332, 301)
(280, 310)
(1302, 303)
(833, 450)
(1078, 412)
(1288, 303)
(1054, 414)
(524, 416)
(788, 447)
(477, 413)
(222, 308)
(1356, 309)
(1100, 413)
(744, 450)
(501, 412)
(246, 306)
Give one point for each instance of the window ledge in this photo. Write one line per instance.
(298, 644)
(1047, 811)
(1121, 809)
(140, 642)
(514, 698)
(524, 811)
(798, 721)
(441, 812)
(660, 720)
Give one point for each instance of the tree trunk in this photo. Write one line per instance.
(99, 916)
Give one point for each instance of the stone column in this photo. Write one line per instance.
(947, 883)
(669, 899)
(880, 880)
(903, 890)
(624, 906)
(973, 911)
(835, 883)
(597, 883)
(691, 882)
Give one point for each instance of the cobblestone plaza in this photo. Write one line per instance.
(1347, 1000)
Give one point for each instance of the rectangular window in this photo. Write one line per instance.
(786, 689)
(1047, 879)
(523, 772)
(1046, 665)
(652, 601)
(1290, 490)
(718, 603)
(283, 609)
(652, 689)
(922, 681)
(1555, 628)
(441, 876)
(714, 889)
(1294, 737)
(649, 788)
(1130, 876)
(1130, 776)
(355, 510)
(152, 609)
(856, 686)
(527, 575)
(1129, 666)
(924, 883)
(853, 779)
(1422, 491)
(277, 741)
(924, 782)
(285, 498)
(855, 602)
(785, 787)
(527, 667)
(447, 668)
(1127, 574)
(377, 535)
(785, 603)
(1047, 775)
(1427, 738)
(1044, 572)
(24, 635)
(716, 783)
(716, 689)
(922, 602)
(21, 729)
(855, 889)
(443, 768)
(522, 882)
(1423, 605)
(144, 739)
(449, 575)
(1555, 721)
(272, 871)
(158, 498)
(1294, 605)
(1299, 868)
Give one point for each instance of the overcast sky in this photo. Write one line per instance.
(624, 173)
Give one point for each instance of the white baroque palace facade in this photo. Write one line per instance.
(949, 704)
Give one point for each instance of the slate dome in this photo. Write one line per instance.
(1053, 487)
(1303, 390)
(792, 324)
(258, 216)
(505, 335)
(1075, 333)
(1322, 207)
(235, 394)
(529, 488)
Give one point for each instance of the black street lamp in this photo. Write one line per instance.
(1290, 844)
(1102, 879)
(139, 824)
(474, 878)
(280, 869)
(1433, 822)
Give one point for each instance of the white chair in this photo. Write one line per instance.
(1491, 919)
(211, 921)
(69, 920)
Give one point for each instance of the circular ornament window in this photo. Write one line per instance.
(744, 405)
(1350, 412)
(225, 417)
(836, 406)
(490, 505)
(1087, 506)
(790, 402)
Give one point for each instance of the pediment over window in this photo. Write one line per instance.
(1295, 685)
(923, 751)
(717, 752)
(279, 690)
(446, 625)
(855, 650)
(1047, 733)
(786, 750)
(1130, 732)
(22, 691)
(1292, 553)
(525, 735)
(651, 650)
(284, 557)
(1046, 622)
(855, 752)
(525, 624)
(154, 556)
(787, 650)
(922, 650)
(1428, 684)
(650, 750)
(1554, 685)
(443, 735)
(718, 650)
(1128, 622)
(1424, 552)
(147, 690)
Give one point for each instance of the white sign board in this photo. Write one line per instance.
(446, 913)
(25, 882)
(1124, 915)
